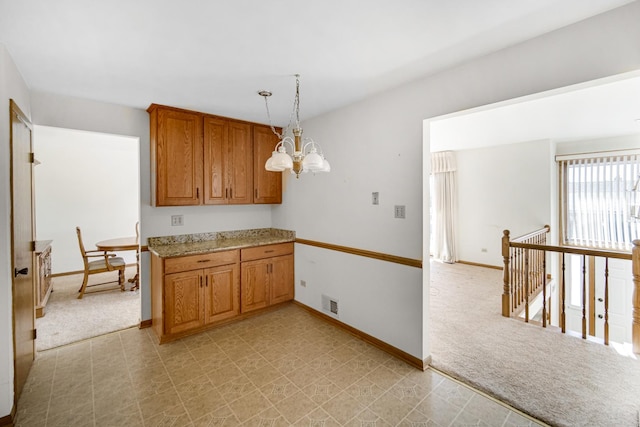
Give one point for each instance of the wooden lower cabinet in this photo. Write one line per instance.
(268, 279)
(184, 301)
(200, 297)
(191, 293)
(222, 296)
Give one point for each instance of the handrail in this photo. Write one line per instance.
(574, 250)
(525, 259)
(544, 230)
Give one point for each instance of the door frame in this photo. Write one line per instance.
(14, 109)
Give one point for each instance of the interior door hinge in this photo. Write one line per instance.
(35, 334)
(32, 246)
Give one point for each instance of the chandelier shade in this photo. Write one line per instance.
(293, 152)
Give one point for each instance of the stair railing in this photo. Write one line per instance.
(524, 277)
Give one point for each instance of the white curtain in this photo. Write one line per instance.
(444, 207)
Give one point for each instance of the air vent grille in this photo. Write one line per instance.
(330, 305)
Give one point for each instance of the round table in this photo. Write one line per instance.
(124, 244)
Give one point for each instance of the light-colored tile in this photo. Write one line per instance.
(279, 369)
(295, 407)
(249, 405)
(343, 407)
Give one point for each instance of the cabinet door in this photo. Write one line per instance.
(178, 137)
(240, 163)
(267, 185)
(281, 280)
(183, 301)
(222, 293)
(254, 285)
(216, 132)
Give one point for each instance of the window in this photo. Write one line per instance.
(595, 210)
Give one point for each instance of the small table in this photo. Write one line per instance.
(124, 244)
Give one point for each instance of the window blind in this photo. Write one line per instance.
(594, 200)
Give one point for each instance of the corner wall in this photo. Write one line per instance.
(378, 145)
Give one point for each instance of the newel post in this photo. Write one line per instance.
(635, 326)
(506, 294)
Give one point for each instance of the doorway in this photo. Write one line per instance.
(88, 180)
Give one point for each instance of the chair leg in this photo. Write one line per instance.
(121, 278)
(84, 285)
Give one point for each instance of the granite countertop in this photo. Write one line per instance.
(192, 244)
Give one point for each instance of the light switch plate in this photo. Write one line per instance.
(399, 211)
(375, 198)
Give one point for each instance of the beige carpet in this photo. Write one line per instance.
(559, 379)
(68, 319)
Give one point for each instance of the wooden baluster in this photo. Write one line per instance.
(584, 297)
(506, 291)
(544, 289)
(521, 279)
(563, 323)
(635, 326)
(526, 285)
(606, 301)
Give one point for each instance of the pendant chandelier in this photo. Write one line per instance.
(294, 152)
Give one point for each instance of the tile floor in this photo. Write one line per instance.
(281, 368)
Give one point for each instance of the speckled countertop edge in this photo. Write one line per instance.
(193, 244)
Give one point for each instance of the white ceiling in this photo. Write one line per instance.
(590, 111)
(213, 56)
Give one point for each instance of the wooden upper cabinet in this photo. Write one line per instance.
(267, 185)
(201, 159)
(216, 132)
(176, 147)
(240, 163)
(228, 166)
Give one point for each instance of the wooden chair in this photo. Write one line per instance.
(103, 263)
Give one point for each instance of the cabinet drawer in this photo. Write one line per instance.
(266, 251)
(193, 262)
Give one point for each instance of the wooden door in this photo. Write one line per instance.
(222, 293)
(281, 280)
(179, 154)
(267, 185)
(240, 166)
(183, 301)
(254, 285)
(22, 247)
(216, 132)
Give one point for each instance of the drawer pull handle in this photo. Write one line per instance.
(269, 251)
(204, 260)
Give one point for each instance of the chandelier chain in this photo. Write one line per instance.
(294, 110)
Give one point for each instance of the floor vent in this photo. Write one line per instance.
(330, 305)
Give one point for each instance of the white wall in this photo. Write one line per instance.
(376, 145)
(12, 86)
(84, 179)
(505, 187)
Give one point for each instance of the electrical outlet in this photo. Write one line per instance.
(483, 250)
(375, 198)
(303, 283)
(399, 211)
(177, 220)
